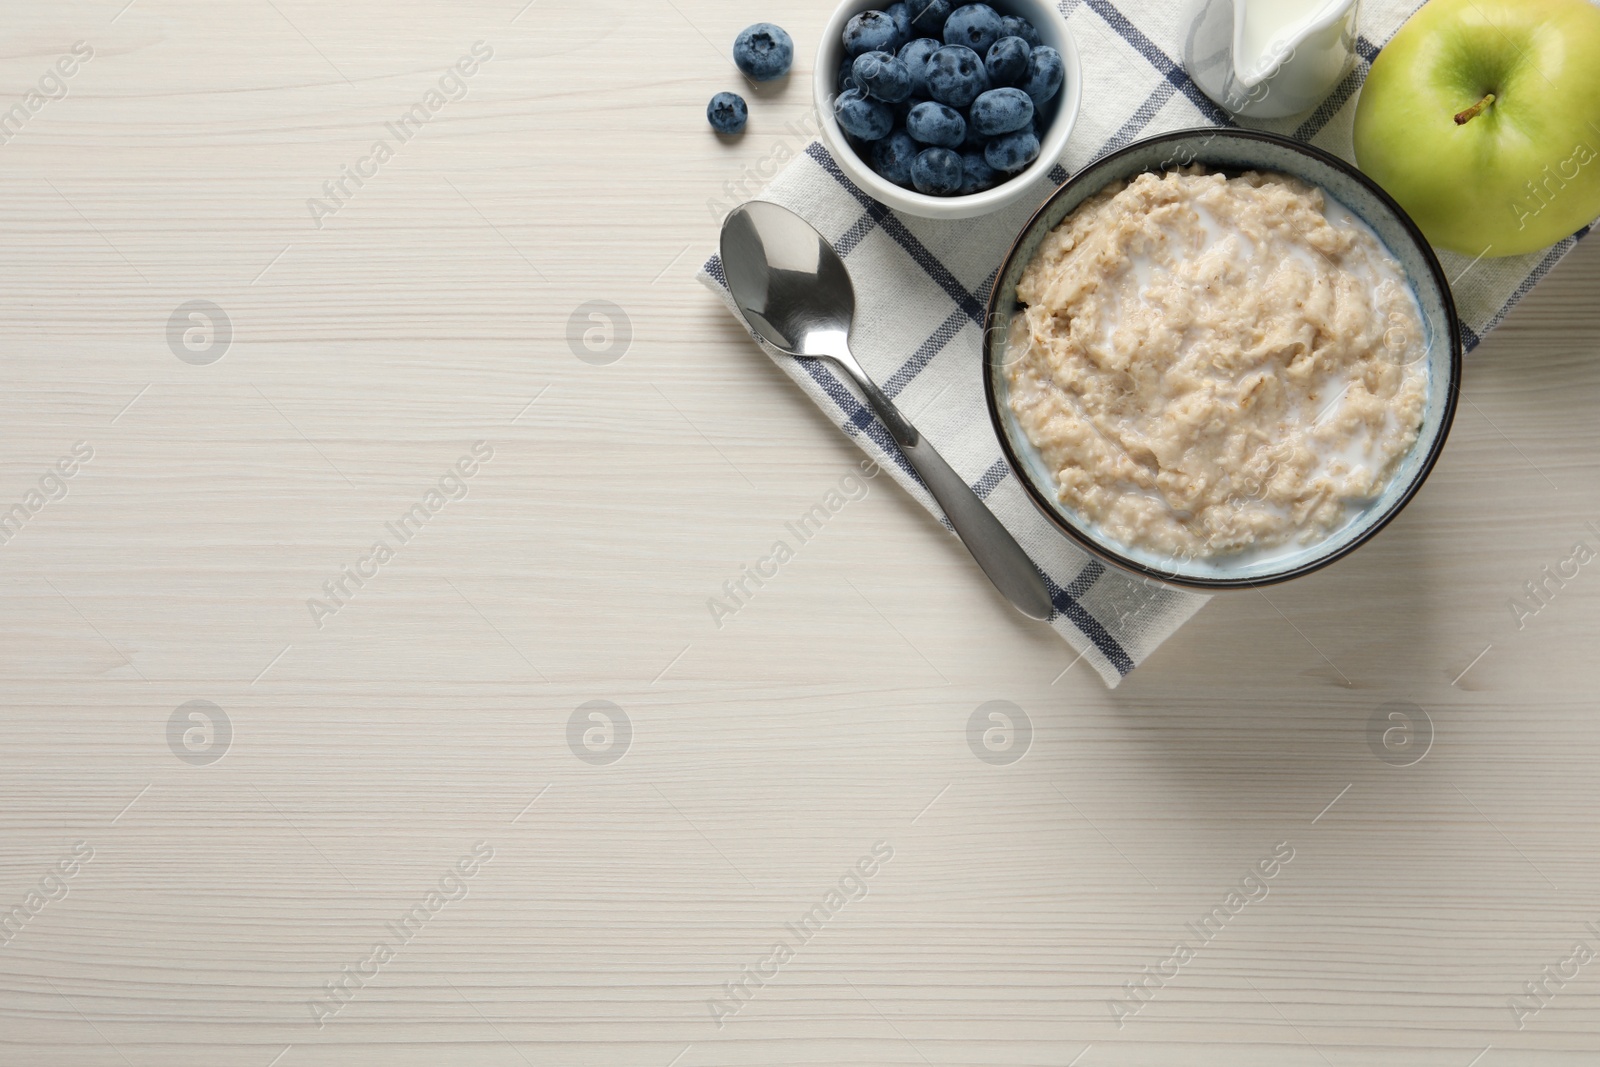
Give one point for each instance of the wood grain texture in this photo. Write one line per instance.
(431, 712)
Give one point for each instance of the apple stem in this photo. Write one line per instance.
(1475, 110)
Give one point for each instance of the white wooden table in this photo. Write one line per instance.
(230, 909)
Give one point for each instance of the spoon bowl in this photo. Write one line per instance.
(788, 282)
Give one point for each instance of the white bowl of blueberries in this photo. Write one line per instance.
(943, 109)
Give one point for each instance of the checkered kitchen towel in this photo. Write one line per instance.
(922, 286)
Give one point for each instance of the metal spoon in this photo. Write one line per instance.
(795, 292)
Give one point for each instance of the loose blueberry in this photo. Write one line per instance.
(915, 56)
(956, 75)
(882, 76)
(976, 175)
(901, 13)
(1012, 26)
(1046, 74)
(928, 16)
(937, 172)
(846, 72)
(727, 113)
(1001, 111)
(936, 124)
(892, 157)
(1007, 61)
(862, 117)
(870, 31)
(1013, 152)
(763, 52)
(977, 26)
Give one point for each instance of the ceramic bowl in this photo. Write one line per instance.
(1052, 31)
(1235, 151)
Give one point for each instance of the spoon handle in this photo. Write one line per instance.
(990, 543)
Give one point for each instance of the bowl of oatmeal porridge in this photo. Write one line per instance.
(1221, 358)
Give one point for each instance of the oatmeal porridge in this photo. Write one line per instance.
(1212, 364)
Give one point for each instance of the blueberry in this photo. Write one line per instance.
(974, 141)
(915, 56)
(727, 112)
(1007, 61)
(928, 16)
(870, 31)
(881, 76)
(763, 52)
(1012, 26)
(862, 117)
(937, 172)
(892, 157)
(1046, 73)
(903, 108)
(846, 71)
(1012, 152)
(936, 124)
(956, 75)
(977, 175)
(1002, 111)
(977, 26)
(1041, 120)
(901, 13)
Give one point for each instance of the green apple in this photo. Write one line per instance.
(1482, 118)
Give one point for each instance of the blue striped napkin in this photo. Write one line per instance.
(922, 286)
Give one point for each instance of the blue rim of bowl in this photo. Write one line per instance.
(1102, 549)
